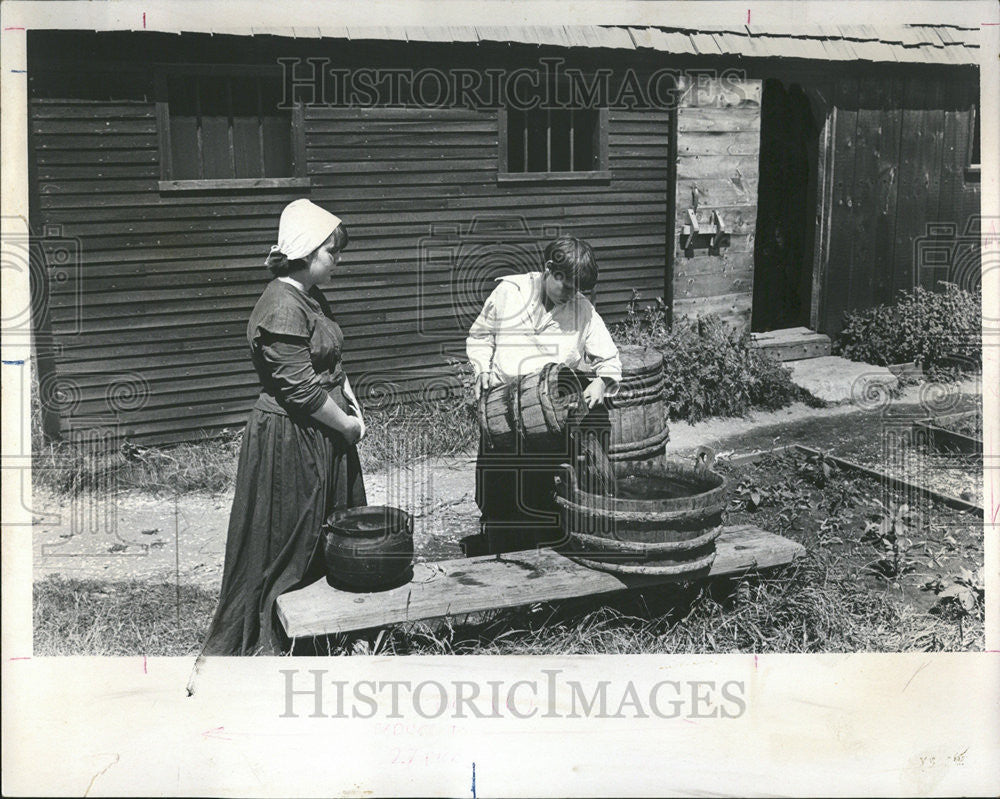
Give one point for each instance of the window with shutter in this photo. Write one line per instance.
(221, 129)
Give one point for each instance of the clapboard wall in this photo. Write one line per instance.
(434, 226)
(149, 319)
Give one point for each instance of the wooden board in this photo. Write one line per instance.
(793, 343)
(718, 146)
(914, 178)
(837, 277)
(863, 213)
(912, 489)
(470, 585)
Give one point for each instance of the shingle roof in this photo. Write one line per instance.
(931, 44)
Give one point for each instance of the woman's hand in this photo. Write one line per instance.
(340, 421)
(355, 410)
(353, 406)
(594, 392)
(353, 429)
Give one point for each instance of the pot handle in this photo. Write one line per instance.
(566, 481)
(704, 458)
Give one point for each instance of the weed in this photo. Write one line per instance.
(890, 533)
(818, 468)
(709, 369)
(940, 329)
(960, 596)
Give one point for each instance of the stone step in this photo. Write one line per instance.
(793, 343)
(834, 379)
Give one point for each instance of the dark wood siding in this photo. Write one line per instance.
(431, 227)
(148, 313)
(898, 158)
(150, 323)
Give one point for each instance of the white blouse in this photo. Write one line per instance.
(514, 335)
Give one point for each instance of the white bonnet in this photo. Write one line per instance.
(303, 227)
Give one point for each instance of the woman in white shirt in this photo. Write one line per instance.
(531, 320)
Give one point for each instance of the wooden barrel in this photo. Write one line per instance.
(664, 518)
(368, 548)
(532, 406)
(638, 416)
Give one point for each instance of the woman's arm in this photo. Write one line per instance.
(297, 385)
(355, 405)
(331, 415)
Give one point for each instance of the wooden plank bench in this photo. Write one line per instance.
(488, 582)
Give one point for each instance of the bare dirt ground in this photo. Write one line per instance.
(137, 536)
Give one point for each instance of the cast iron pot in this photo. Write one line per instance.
(368, 548)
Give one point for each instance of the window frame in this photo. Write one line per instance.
(167, 183)
(602, 173)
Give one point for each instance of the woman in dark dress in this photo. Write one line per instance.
(298, 461)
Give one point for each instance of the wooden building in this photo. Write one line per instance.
(776, 179)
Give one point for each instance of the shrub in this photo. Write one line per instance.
(935, 328)
(710, 370)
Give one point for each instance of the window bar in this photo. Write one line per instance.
(197, 114)
(260, 125)
(524, 137)
(548, 140)
(572, 142)
(229, 117)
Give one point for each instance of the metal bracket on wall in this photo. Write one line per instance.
(715, 230)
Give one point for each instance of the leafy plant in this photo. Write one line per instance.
(940, 329)
(890, 535)
(818, 468)
(710, 369)
(827, 532)
(964, 595)
(748, 496)
(789, 497)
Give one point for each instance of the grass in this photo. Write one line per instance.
(816, 605)
(209, 465)
(93, 617)
(445, 426)
(439, 424)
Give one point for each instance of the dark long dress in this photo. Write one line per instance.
(292, 470)
(515, 488)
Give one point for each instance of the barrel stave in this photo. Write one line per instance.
(616, 534)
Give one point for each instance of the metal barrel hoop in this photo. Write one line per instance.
(662, 570)
(639, 548)
(484, 424)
